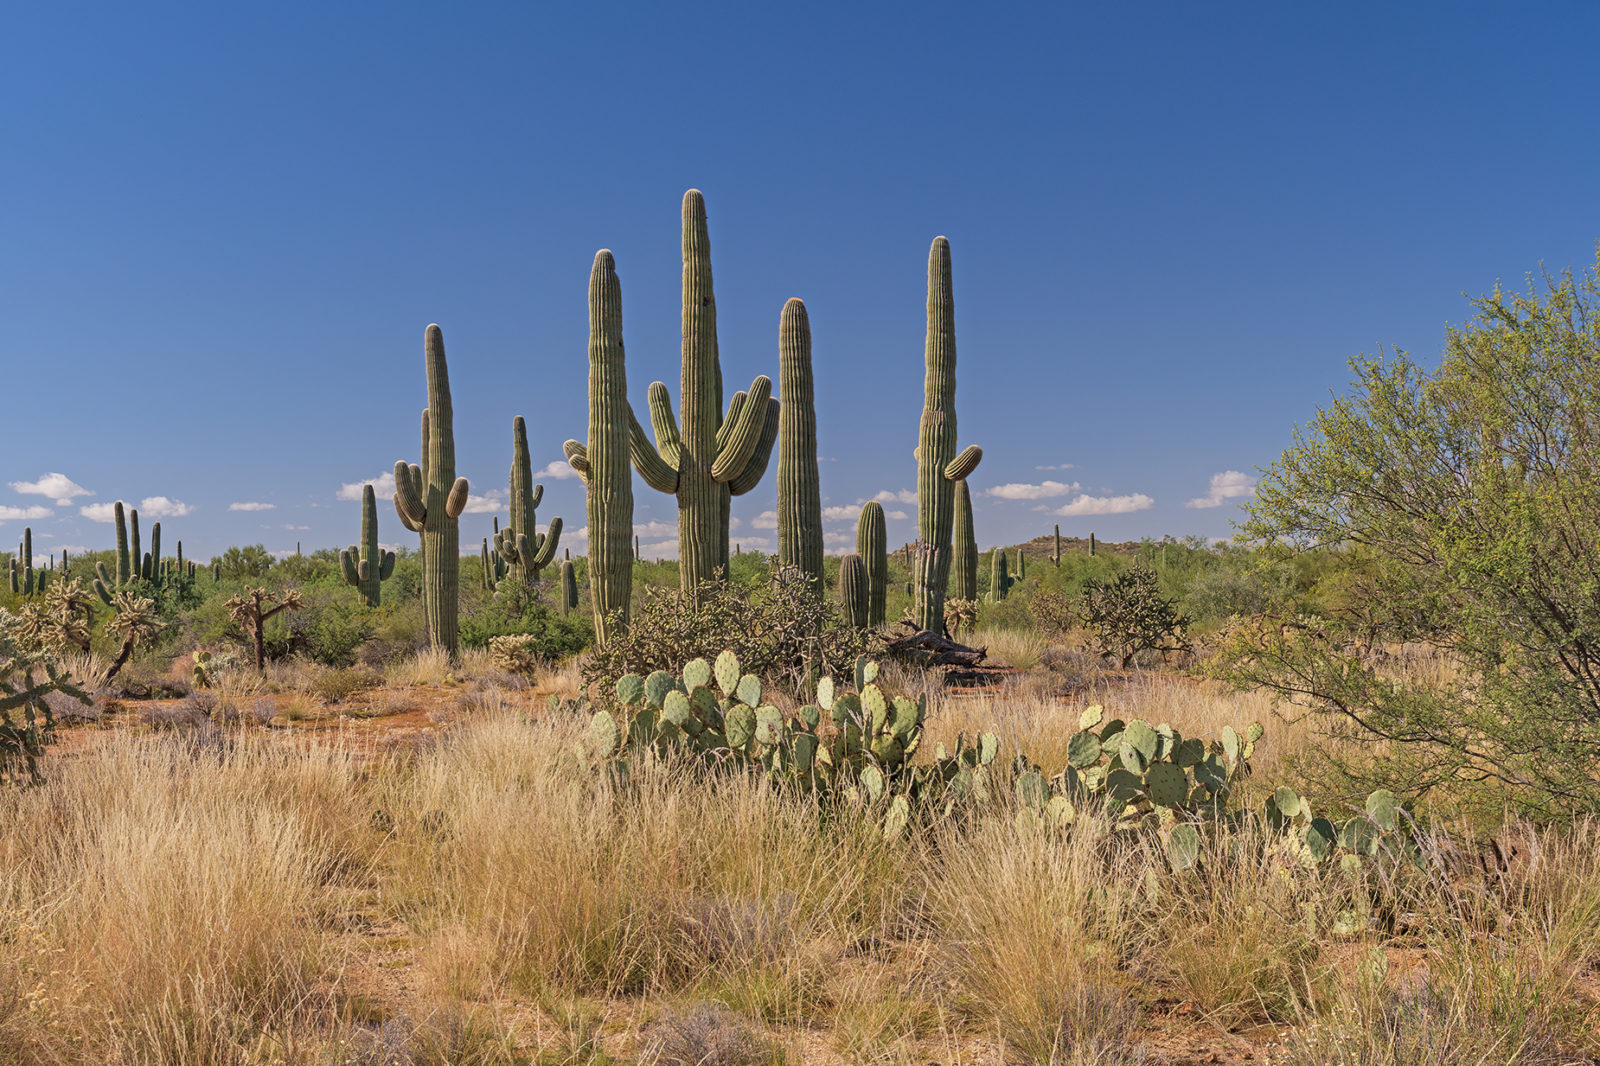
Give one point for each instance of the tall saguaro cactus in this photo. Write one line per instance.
(27, 561)
(602, 462)
(367, 567)
(872, 544)
(799, 491)
(1055, 556)
(964, 545)
(433, 498)
(520, 544)
(706, 456)
(939, 468)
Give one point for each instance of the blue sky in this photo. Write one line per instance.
(226, 226)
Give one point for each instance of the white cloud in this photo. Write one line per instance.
(559, 470)
(383, 485)
(23, 514)
(898, 516)
(1042, 491)
(1059, 466)
(296, 528)
(163, 507)
(765, 520)
(252, 505)
(489, 503)
(1228, 485)
(836, 514)
(149, 507)
(903, 496)
(756, 544)
(734, 522)
(1093, 505)
(58, 487)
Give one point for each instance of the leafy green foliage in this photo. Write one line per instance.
(1464, 504)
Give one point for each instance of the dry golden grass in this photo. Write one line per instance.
(192, 898)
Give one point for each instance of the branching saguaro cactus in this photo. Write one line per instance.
(603, 461)
(964, 545)
(799, 491)
(939, 468)
(254, 609)
(872, 544)
(520, 544)
(367, 567)
(854, 597)
(705, 457)
(433, 498)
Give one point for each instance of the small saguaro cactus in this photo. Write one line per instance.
(799, 491)
(964, 548)
(520, 544)
(152, 571)
(367, 567)
(1056, 557)
(1091, 543)
(569, 586)
(602, 462)
(872, 545)
(854, 598)
(939, 467)
(1022, 565)
(489, 578)
(1000, 581)
(705, 456)
(433, 498)
(26, 561)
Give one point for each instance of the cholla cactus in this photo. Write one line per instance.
(253, 609)
(27, 676)
(133, 619)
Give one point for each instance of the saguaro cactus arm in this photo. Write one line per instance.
(964, 464)
(753, 471)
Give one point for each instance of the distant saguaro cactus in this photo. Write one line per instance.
(520, 544)
(433, 502)
(1056, 557)
(367, 567)
(939, 467)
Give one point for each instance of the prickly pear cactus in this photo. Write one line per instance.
(852, 741)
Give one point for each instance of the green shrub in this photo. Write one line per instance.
(785, 630)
